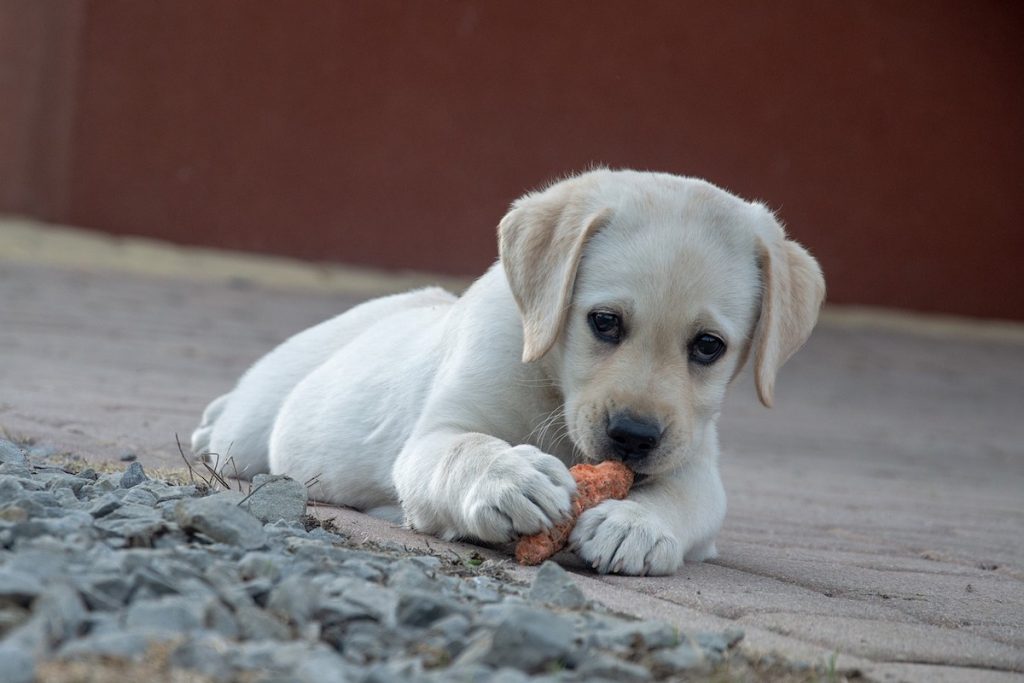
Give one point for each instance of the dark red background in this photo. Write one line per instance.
(888, 135)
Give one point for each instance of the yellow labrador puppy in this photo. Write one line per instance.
(622, 306)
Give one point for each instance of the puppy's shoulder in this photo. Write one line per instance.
(486, 322)
(490, 299)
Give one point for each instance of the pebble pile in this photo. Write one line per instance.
(229, 586)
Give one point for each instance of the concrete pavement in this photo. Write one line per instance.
(877, 512)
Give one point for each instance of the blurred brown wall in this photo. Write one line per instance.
(887, 134)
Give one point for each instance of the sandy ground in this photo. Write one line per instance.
(877, 512)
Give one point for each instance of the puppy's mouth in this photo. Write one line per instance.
(642, 468)
(588, 452)
(665, 457)
(600, 445)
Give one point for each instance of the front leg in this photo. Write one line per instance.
(664, 520)
(470, 485)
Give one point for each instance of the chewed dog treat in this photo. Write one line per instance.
(594, 484)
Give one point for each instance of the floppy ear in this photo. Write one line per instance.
(540, 242)
(793, 290)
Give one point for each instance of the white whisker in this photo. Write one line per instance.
(541, 430)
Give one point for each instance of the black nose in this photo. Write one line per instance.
(632, 438)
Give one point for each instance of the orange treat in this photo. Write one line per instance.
(594, 484)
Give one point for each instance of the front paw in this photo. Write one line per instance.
(621, 537)
(522, 492)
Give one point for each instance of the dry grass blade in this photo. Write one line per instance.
(252, 492)
(181, 451)
(215, 474)
(234, 468)
(204, 460)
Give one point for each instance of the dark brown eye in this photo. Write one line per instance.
(606, 326)
(706, 349)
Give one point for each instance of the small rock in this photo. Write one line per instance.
(358, 599)
(119, 644)
(170, 613)
(481, 588)
(133, 476)
(733, 636)
(258, 590)
(603, 666)
(324, 666)
(135, 523)
(58, 479)
(715, 645)
(361, 642)
(679, 658)
(128, 456)
(412, 573)
(72, 521)
(283, 529)
(105, 591)
(713, 642)
(206, 654)
(19, 665)
(138, 496)
(361, 569)
(219, 618)
(42, 452)
(45, 564)
(370, 604)
(452, 628)
(509, 676)
(13, 513)
(419, 610)
(428, 562)
(17, 469)
(649, 635)
(263, 655)
(554, 586)
(526, 638)
(295, 598)
(150, 582)
(11, 486)
(443, 641)
(11, 617)
(38, 503)
(320, 534)
(302, 547)
(62, 611)
(165, 492)
(103, 484)
(472, 673)
(219, 517)
(257, 624)
(260, 565)
(276, 497)
(66, 496)
(18, 588)
(179, 614)
(11, 453)
(394, 671)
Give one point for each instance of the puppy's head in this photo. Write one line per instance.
(644, 293)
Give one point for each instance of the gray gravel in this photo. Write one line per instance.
(116, 567)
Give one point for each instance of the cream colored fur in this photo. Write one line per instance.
(461, 415)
